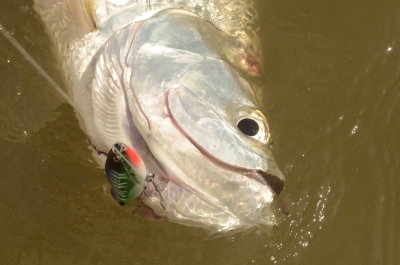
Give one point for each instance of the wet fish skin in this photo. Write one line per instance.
(173, 85)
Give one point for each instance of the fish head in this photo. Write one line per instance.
(181, 93)
(190, 93)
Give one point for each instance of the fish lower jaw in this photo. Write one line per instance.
(186, 208)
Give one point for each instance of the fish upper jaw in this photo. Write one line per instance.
(219, 142)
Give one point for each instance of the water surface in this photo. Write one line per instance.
(332, 100)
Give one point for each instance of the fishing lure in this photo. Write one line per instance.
(127, 175)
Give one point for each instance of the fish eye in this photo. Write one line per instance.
(252, 123)
(248, 126)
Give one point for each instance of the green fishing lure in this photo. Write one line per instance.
(126, 173)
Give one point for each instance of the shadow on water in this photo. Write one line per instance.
(332, 100)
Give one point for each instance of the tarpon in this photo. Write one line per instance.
(174, 83)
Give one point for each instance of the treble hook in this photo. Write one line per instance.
(150, 178)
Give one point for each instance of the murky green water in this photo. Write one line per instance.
(332, 98)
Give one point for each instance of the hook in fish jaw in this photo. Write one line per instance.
(150, 178)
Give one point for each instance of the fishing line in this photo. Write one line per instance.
(32, 61)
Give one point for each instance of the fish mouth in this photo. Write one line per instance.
(272, 181)
(273, 177)
(269, 178)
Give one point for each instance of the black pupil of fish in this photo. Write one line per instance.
(248, 126)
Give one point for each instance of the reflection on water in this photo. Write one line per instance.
(332, 80)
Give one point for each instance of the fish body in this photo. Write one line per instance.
(177, 82)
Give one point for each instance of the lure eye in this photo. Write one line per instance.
(248, 126)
